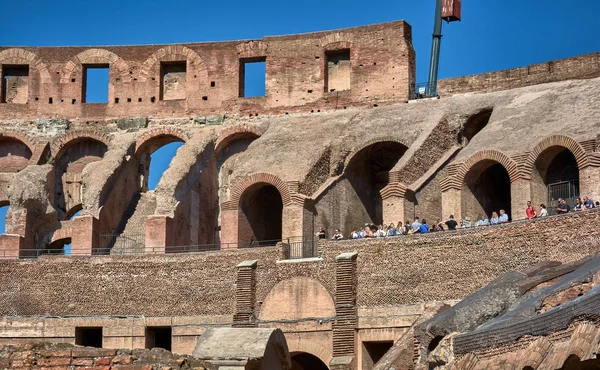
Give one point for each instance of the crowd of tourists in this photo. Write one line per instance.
(419, 226)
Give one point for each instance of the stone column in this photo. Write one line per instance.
(344, 327)
(85, 236)
(292, 221)
(520, 193)
(452, 204)
(392, 201)
(159, 234)
(589, 182)
(229, 228)
(245, 295)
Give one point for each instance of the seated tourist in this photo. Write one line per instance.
(562, 207)
(503, 217)
(407, 228)
(466, 222)
(355, 234)
(495, 219)
(415, 225)
(588, 203)
(368, 232)
(543, 210)
(530, 212)
(424, 228)
(321, 233)
(578, 205)
(381, 231)
(451, 223)
(597, 204)
(391, 230)
(439, 226)
(483, 221)
(337, 235)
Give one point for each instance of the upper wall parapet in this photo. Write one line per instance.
(358, 66)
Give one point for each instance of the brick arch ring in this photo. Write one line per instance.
(22, 56)
(94, 56)
(258, 178)
(61, 144)
(234, 133)
(382, 139)
(566, 142)
(150, 135)
(488, 155)
(174, 53)
(37, 148)
(311, 347)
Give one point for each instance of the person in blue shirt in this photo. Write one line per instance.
(503, 217)
(483, 221)
(424, 228)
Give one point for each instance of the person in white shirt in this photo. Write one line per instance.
(543, 210)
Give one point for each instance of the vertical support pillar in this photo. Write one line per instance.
(245, 295)
(229, 227)
(85, 237)
(344, 327)
(520, 193)
(452, 203)
(393, 197)
(159, 234)
(292, 221)
(589, 182)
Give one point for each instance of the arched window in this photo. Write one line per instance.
(261, 215)
(486, 189)
(306, 361)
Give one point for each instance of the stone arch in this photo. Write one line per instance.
(17, 151)
(309, 346)
(336, 40)
(260, 178)
(94, 56)
(557, 140)
(61, 144)
(298, 298)
(492, 155)
(73, 210)
(173, 53)
(147, 137)
(56, 246)
(231, 134)
(22, 56)
(252, 49)
(534, 354)
(61, 234)
(359, 148)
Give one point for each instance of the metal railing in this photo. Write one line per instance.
(422, 90)
(568, 190)
(300, 247)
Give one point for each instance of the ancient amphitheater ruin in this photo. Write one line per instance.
(227, 238)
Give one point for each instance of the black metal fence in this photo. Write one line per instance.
(568, 190)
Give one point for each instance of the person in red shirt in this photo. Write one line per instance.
(530, 211)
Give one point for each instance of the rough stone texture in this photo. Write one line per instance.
(52, 126)
(132, 123)
(66, 356)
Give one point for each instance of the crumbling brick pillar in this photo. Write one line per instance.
(589, 182)
(520, 193)
(245, 295)
(392, 200)
(344, 327)
(159, 234)
(452, 203)
(85, 237)
(10, 246)
(229, 228)
(292, 221)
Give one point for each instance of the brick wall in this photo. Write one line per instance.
(68, 357)
(391, 271)
(583, 66)
(205, 78)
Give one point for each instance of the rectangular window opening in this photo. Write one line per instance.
(253, 77)
(15, 84)
(95, 83)
(173, 80)
(158, 337)
(337, 70)
(88, 336)
(374, 351)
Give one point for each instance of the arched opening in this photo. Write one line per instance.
(3, 212)
(155, 156)
(486, 189)
(68, 168)
(368, 173)
(261, 215)
(474, 124)
(14, 155)
(306, 361)
(74, 211)
(58, 247)
(555, 175)
(573, 362)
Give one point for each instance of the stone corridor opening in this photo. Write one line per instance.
(368, 173)
(306, 361)
(14, 155)
(261, 216)
(555, 175)
(486, 189)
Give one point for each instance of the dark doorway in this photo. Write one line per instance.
(158, 337)
(306, 361)
(486, 189)
(261, 215)
(373, 352)
(89, 337)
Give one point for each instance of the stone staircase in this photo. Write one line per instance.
(132, 230)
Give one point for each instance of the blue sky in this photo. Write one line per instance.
(492, 35)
